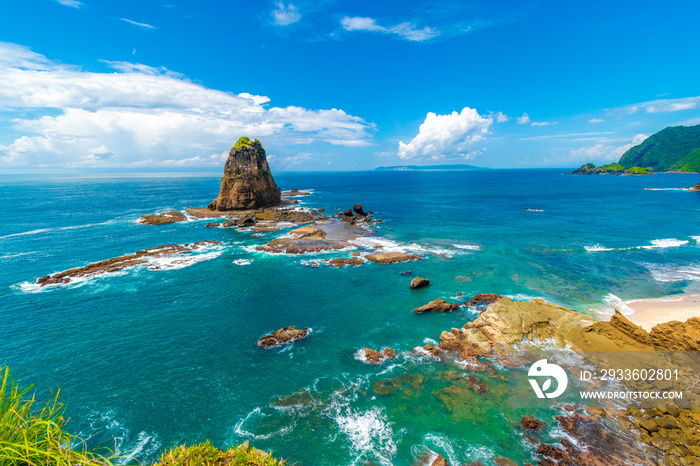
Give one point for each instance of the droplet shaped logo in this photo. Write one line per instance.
(544, 369)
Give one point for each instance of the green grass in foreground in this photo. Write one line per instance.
(33, 435)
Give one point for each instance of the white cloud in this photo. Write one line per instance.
(71, 3)
(285, 15)
(658, 106)
(501, 117)
(136, 23)
(601, 153)
(141, 116)
(525, 119)
(596, 120)
(447, 135)
(408, 31)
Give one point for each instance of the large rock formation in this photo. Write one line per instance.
(247, 182)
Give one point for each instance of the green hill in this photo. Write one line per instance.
(676, 148)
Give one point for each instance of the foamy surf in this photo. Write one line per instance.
(380, 244)
(612, 302)
(671, 273)
(369, 433)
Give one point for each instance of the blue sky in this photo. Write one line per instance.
(329, 85)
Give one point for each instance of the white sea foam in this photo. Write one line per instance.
(597, 248)
(665, 243)
(243, 261)
(612, 302)
(46, 230)
(671, 273)
(470, 247)
(253, 416)
(387, 245)
(10, 256)
(370, 434)
(180, 261)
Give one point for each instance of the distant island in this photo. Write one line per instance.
(675, 149)
(433, 167)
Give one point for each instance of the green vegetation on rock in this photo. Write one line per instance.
(205, 454)
(672, 149)
(637, 171)
(244, 142)
(611, 168)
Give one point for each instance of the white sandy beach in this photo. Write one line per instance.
(650, 312)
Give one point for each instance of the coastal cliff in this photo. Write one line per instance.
(247, 182)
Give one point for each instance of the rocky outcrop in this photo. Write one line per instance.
(247, 182)
(121, 262)
(295, 193)
(372, 356)
(308, 232)
(419, 282)
(438, 305)
(355, 215)
(212, 225)
(341, 262)
(695, 188)
(282, 336)
(440, 461)
(484, 298)
(163, 218)
(531, 423)
(392, 257)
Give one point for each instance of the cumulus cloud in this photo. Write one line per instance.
(408, 31)
(447, 135)
(284, 15)
(602, 153)
(523, 120)
(141, 116)
(501, 117)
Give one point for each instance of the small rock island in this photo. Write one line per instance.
(247, 182)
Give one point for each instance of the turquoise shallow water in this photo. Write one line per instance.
(149, 359)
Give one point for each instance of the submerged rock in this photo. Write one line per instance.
(247, 182)
(163, 218)
(282, 336)
(438, 305)
(419, 282)
(531, 423)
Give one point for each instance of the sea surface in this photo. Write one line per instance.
(153, 357)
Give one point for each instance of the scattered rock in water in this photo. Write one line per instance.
(502, 461)
(121, 262)
(341, 262)
(484, 298)
(372, 356)
(440, 461)
(392, 257)
(247, 182)
(300, 246)
(438, 305)
(356, 215)
(356, 254)
(419, 282)
(212, 225)
(693, 188)
(295, 193)
(163, 218)
(463, 278)
(427, 350)
(282, 336)
(532, 423)
(308, 231)
(264, 228)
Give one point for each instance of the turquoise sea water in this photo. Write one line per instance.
(149, 359)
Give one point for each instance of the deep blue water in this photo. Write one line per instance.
(149, 359)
